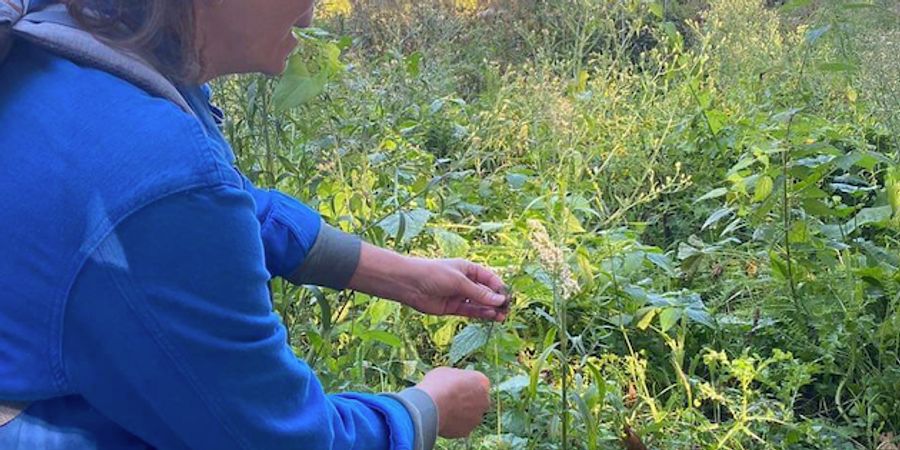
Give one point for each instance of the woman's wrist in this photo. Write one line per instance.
(385, 273)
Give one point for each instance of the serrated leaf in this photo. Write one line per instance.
(466, 342)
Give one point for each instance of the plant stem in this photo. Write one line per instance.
(786, 212)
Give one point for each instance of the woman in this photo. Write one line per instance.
(135, 311)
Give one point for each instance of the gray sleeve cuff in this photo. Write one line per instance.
(331, 262)
(424, 416)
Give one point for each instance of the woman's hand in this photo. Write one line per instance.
(461, 398)
(437, 287)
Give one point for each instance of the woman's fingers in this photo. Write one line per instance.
(482, 275)
(480, 312)
(481, 294)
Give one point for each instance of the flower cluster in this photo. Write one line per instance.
(553, 258)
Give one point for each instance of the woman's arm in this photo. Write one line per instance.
(304, 250)
(432, 286)
(169, 332)
(299, 246)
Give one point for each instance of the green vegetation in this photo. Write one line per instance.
(695, 203)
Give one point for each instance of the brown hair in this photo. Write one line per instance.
(160, 31)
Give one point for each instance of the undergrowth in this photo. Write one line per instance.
(695, 203)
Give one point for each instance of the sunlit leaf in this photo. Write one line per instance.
(668, 318)
(763, 188)
(647, 319)
(451, 244)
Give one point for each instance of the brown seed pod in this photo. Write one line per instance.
(632, 441)
(631, 396)
(752, 269)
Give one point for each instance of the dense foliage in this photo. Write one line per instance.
(696, 205)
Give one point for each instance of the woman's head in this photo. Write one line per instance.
(201, 39)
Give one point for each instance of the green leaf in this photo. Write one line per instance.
(716, 120)
(381, 336)
(799, 232)
(700, 316)
(663, 262)
(306, 76)
(405, 225)
(467, 341)
(657, 10)
(381, 310)
(892, 186)
(716, 216)
(868, 216)
(669, 317)
(763, 188)
(514, 385)
(516, 180)
(298, 86)
(715, 193)
(414, 64)
(451, 244)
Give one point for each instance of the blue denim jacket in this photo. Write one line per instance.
(134, 310)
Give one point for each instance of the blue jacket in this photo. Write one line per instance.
(134, 309)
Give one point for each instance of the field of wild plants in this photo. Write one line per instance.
(696, 204)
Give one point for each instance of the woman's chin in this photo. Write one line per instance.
(274, 68)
